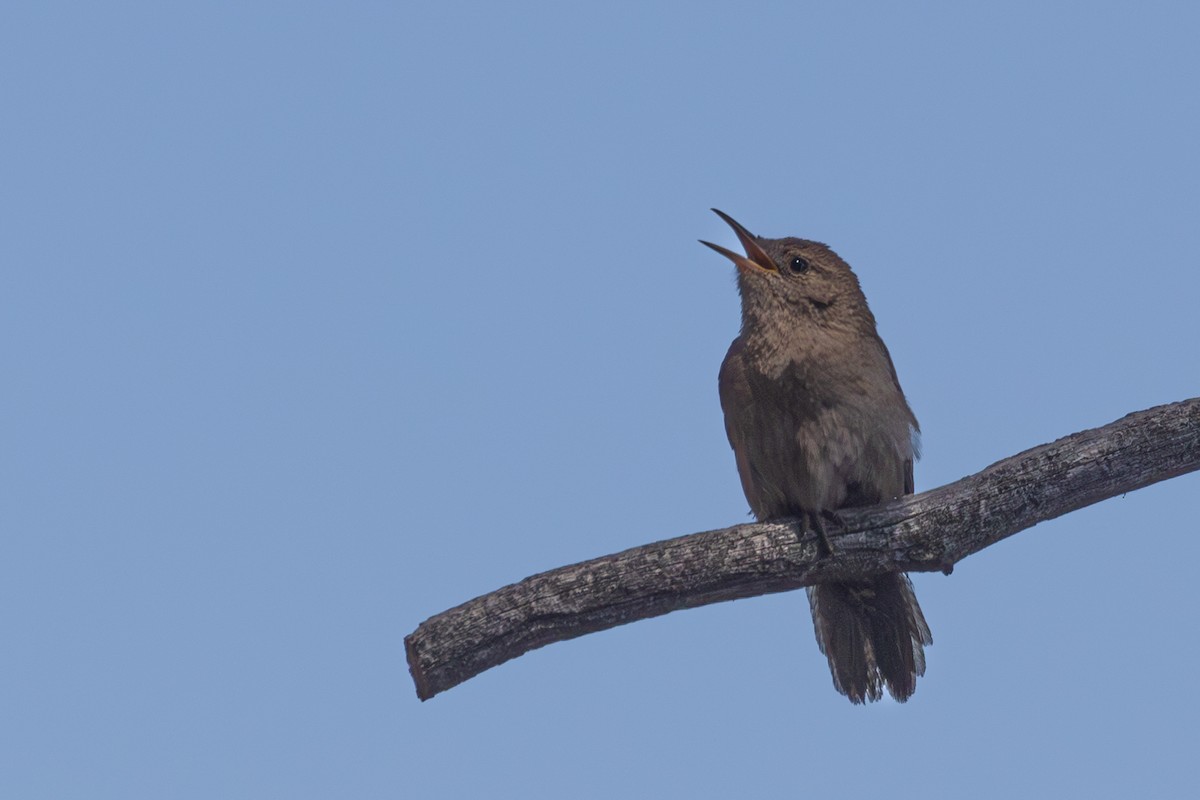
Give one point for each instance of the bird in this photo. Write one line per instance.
(818, 422)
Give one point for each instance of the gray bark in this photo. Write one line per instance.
(918, 533)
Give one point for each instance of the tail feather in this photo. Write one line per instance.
(873, 633)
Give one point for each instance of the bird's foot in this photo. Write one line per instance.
(816, 521)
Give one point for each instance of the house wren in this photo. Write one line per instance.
(818, 422)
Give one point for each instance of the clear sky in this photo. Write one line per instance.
(319, 319)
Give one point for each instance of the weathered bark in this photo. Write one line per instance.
(919, 533)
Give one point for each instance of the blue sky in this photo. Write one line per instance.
(319, 319)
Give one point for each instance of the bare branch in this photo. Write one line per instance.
(918, 533)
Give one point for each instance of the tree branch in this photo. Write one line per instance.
(918, 533)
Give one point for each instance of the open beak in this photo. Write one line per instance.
(755, 259)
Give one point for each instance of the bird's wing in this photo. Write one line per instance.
(736, 400)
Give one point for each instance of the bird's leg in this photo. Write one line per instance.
(816, 522)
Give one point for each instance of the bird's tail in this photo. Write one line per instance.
(873, 633)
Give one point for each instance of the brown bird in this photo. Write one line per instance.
(818, 422)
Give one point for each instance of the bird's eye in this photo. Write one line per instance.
(798, 265)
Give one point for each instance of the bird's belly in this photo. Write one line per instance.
(824, 461)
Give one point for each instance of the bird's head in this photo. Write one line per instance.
(799, 280)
